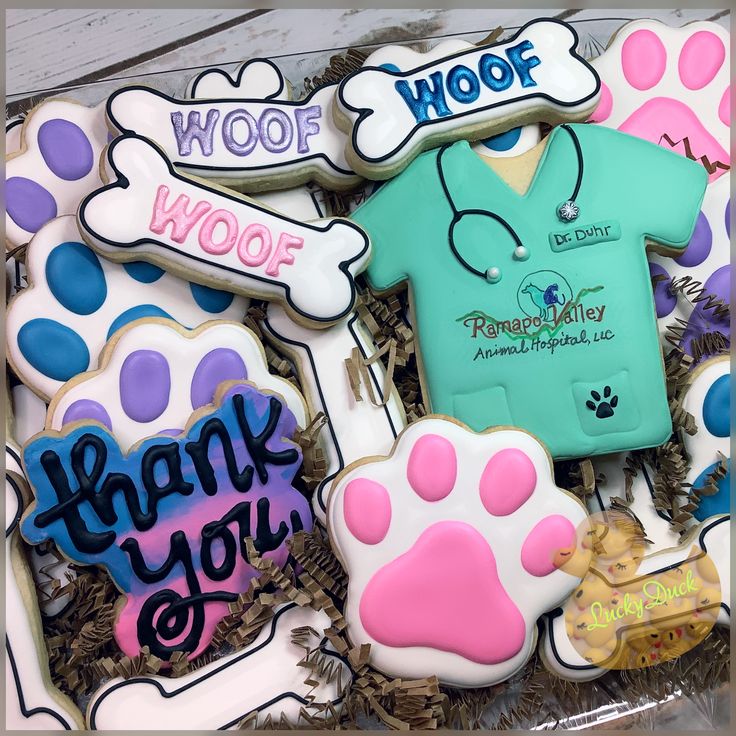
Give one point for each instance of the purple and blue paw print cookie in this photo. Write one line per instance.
(453, 547)
(708, 399)
(705, 260)
(56, 165)
(155, 374)
(76, 301)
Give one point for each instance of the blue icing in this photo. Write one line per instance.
(390, 67)
(211, 300)
(503, 141)
(718, 503)
(134, 313)
(144, 272)
(717, 407)
(75, 277)
(53, 349)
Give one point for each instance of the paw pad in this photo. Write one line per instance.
(453, 548)
(157, 374)
(670, 86)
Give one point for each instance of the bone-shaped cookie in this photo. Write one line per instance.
(394, 115)
(153, 213)
(265, 142)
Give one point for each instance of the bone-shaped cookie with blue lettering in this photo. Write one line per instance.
(255, 136)
(150, 212)
(535, 76)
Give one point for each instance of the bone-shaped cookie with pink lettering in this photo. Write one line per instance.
(392, 115)
(152, 213)
(261, 139)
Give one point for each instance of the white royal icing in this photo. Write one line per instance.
(264, 676)
(31, 701)
(122, 292)
(195, 362)
(393, 115)
(154, 213)
(435, 480)
(56, 165)
(244, 128)
(403, 58)
(355, 429)
(660, 81)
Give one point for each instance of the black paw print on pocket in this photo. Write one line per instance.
(603, 406)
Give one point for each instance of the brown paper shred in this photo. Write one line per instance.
(579, 476)
(339, 67)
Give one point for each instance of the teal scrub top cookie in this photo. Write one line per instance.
(536, 310)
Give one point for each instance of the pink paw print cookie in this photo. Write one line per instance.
(670, 86)
(453, 546)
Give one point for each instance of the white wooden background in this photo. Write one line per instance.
(52, 51)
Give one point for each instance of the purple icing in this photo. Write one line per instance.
(65, 149)
(272, 117)
(702, 320)
(236, 147)
(87, 409)
(29, 205)
(220, 364)
(171, 432)
(194, 131)
(700, 244)
(664, 301)
(728, 218)
(145, 383)
(305, 125)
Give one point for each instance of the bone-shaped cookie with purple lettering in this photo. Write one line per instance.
(245, 130)
(150, 212)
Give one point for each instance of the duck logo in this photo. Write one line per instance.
(543, 294)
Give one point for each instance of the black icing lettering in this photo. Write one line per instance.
(266, 540)
(168, 454)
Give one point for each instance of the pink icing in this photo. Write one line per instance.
(604, 106)
(367, 510)
(432, 467)
(643, 59)
(548, 537)
(282, 256)
(724, 109)
(470, 614)
(702, 56)
(663, 115)
(181, 220)
(507, 482)
(206, 232)
(255, 231)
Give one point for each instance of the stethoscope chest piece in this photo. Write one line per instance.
(568, 211)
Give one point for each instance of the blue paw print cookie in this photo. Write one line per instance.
(75, 301)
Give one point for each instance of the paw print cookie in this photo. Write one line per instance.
(76, 301)
(670, 86)
(57, 164)
(707, 262)
(453, 546)
(708, 399)
(154, 374)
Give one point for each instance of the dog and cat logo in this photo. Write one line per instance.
(543, 294)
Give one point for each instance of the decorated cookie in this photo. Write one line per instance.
(478, 512)
(31, 700)
(355, 429)
(76, 301)
(670, 86)
(154, 374)
(56, 165)
(552, 329)
(632, 611)
(512, 142)
(706, 264)
(169, 520)
(243, 129)
(263, 677)
(12, 135)
(391, 116)
(228, 241)
(708, 399)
